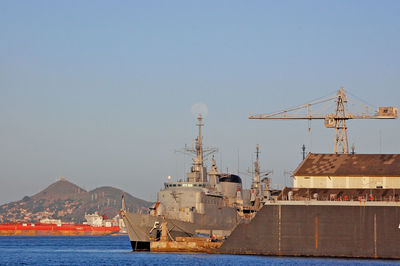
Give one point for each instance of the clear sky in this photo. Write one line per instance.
(101, 91)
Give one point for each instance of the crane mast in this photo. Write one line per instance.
(335, 120)
(341, 143)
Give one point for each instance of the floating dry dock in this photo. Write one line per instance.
(342, 205)
(320, 228)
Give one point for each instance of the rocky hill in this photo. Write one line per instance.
(68, 202)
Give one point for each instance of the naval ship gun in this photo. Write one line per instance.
(205, 202)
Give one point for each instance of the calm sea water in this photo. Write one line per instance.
(116, 250)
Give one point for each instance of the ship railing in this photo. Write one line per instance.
(185, 184)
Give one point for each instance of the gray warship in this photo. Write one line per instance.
(207, 202)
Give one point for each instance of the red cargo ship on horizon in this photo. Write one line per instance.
(43, 229)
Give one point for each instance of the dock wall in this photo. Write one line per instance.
(319, 230)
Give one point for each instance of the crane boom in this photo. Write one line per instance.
(335, 120)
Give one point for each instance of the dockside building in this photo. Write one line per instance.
(351, 171)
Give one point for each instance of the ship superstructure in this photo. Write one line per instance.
(205, 202)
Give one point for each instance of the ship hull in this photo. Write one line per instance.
(54, 230)
(360, 230)
(139, 227)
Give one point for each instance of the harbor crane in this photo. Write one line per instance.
(336, 120)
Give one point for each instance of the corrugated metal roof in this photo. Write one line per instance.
(349, 165)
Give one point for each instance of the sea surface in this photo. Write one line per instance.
(116, 250)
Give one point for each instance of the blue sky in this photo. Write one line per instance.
(101, 91)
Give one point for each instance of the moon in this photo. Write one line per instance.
(199, 109)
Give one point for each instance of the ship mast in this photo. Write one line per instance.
(256, 180)
(259, 188)
(199, 151)
(198, 172)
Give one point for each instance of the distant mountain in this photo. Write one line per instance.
(59, 190)
(69, 202)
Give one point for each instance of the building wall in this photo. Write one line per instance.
(346, 182)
